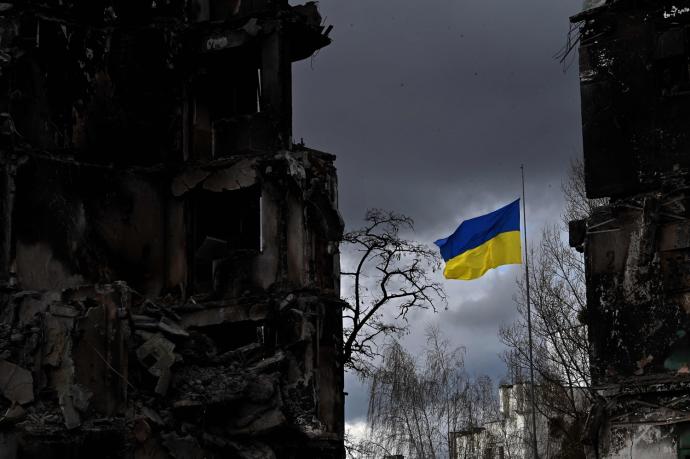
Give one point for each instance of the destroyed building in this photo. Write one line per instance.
(169, 271)
(635, 90)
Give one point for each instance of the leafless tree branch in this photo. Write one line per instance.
(391, 277)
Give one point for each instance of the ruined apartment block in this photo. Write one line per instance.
(169, 272)
(635, 87)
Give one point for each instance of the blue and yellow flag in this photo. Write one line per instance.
(483, 243)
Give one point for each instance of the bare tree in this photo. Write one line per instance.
(577, 205)
(416, 405)
(389, 278)
(365, 448)
(561, 358)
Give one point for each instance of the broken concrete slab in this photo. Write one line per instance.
(16, 383)
(143, 322)
(56, 339)
(219, 315)
(239, 175)
(100, 356)
(81, 397)
(152, 415)
(188, 181)
(14, 414)
(168, 326)
(244, 355)
(62, 310)
(29, 304)
(268, 364)
(69, 413)
(186, 447)
(256, 419)
(157, 356)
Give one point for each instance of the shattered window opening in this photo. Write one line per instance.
(223, 98)
(224, 223)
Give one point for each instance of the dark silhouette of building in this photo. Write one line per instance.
(635, 85)
(169, 272)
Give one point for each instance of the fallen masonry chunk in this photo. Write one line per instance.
(14, 414)
(182, 447)
(16, 383)
(168, 326)
(157, 356)
(63, 311)
(72, 418)
(152, 415)
(144, 322)
(141, 430)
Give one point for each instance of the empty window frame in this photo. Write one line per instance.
(222, 224)
(220, 99)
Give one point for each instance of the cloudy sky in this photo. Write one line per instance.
(431, 106)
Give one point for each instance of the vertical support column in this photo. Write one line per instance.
(331, 377)
(6, 206)
(276, 76)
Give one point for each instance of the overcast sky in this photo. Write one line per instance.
(431, 106)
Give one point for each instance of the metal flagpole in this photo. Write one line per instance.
(529, 320)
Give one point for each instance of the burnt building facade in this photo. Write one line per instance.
(169, 271)
(635, 90)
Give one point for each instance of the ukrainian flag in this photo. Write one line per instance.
(483, 243)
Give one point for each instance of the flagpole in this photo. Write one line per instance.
(529, 319)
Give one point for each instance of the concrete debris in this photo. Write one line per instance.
(142, 430)
(16, 383)
(239, 175)
(81, 397)
(14, 414)
(30, 304)
(152, 416)
(63, 311)
(142, 322)
(157, 356)
(188, 181)
(168, 326)
(216, 316)
(182, 447)
(56, 340)
(69, 412)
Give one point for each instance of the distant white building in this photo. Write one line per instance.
(509, 437)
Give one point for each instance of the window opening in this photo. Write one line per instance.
(223, 223)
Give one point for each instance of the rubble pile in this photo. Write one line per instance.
(105, 362)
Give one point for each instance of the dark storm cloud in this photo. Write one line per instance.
(431, 106)
(437, 93)
(475, 312)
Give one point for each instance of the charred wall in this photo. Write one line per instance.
(635, 89)
(169, 282)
